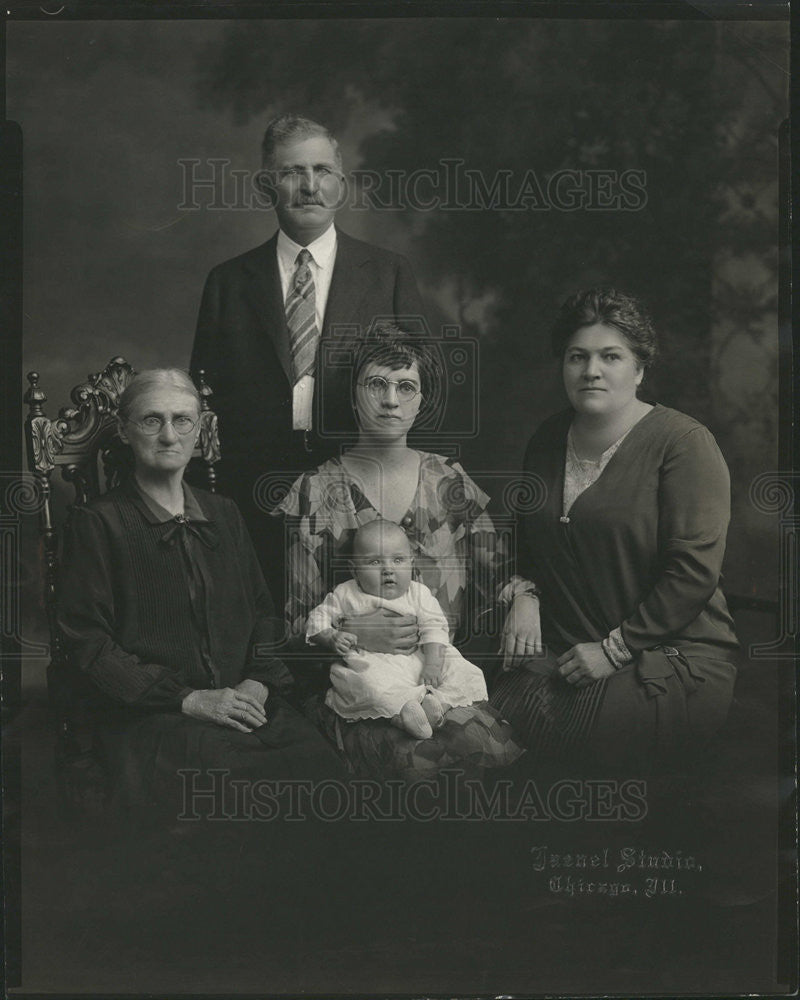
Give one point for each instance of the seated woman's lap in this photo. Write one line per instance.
(643, 711)
(150, 751)
(669, 712)
(472, 739)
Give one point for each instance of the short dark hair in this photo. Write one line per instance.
(614, 308)
(291, 128)
(389, 345)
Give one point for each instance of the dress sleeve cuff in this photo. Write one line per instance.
(516, 586)
(615, 649)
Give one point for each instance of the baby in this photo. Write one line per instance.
(414, 690)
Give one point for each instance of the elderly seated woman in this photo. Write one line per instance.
(163, 608)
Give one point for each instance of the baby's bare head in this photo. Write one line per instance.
(382, 561)
(378, 535)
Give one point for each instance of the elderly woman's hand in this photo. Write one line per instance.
(251, 686)
(226, 707)
(384, 631)
(584, 664)
(522, 631)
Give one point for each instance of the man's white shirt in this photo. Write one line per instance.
(323, 257)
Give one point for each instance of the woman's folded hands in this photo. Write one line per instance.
(239, 708)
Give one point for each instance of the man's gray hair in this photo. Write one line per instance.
(293, 128)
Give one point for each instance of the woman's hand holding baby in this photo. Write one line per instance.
(384, 631)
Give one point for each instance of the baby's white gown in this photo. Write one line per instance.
(370, 685)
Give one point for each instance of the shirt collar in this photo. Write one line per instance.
(321, 249)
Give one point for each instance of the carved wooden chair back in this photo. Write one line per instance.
(84, 444)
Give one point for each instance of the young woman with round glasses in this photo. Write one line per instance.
(452, 539)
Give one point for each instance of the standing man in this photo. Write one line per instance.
(268, 325)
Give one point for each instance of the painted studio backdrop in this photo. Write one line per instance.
(512, 161)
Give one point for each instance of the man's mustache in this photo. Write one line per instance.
(309, 201)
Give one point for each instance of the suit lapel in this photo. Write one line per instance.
(265, 297)
(349, 285)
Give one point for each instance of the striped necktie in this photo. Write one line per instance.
(301, 317)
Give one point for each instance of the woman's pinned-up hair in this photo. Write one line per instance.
(613, 308)
(155, 378)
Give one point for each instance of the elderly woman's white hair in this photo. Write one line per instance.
(152, 378)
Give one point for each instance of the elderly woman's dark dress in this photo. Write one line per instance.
(640, 550)
(153, 607)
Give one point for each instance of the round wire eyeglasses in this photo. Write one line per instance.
(378, 386)
(153, 425)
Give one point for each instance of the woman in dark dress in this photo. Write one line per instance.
(164, 609)
(635, 653)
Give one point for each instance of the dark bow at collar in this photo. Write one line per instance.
(204, 531)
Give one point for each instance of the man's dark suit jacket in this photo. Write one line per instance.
(242, 343)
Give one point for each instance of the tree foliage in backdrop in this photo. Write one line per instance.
(664, 98)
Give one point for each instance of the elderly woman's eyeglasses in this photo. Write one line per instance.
(153, 425)
(378, 386)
